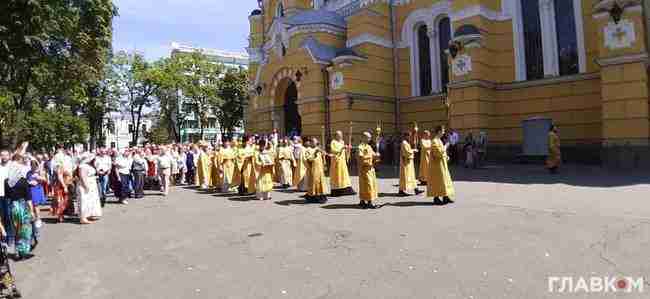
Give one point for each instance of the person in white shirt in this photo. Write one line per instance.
(5, 211)
(182, 167)
(123, 164)
(165, 162)
(103, 165)
(138, 171)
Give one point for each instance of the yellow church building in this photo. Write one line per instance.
(474, 65)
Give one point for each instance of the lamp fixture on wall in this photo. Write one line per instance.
(616, 12)
(454, 48)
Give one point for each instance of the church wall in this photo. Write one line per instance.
(606, 104)
(428, 112)
(374, 20)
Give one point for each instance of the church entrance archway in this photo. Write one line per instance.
(292, 120)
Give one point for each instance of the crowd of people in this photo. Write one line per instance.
(76, 185)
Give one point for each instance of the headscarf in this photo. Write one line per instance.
(16, 172)
(86, 158)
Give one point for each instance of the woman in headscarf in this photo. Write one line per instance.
(90, 208)
(8, 287)
(21, 205)
(63, 169)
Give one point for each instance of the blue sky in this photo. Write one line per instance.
(150, 26)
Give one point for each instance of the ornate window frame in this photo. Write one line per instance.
(549, 38)
(430, 17)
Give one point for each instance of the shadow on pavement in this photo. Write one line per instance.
(389, 194)
(411, 204)
(341, 207)
(574, 175)
(288, 191)
(243, 198)
(224, 194)
(292, 202)
(56, 221)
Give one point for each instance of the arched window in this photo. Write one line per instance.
(424, 60)
(444, 36)
(533, 39)
(567, 38)
(549, 38)
(279, 10)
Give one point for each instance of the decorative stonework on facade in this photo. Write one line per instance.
(337, 80)
(621, 35)
(462, 65)
(365, 60)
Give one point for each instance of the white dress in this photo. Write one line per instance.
(89, 203)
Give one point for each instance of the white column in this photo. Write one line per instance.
(434, 51)
(519, 45)
(549, 37)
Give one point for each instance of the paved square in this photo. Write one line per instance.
(510, 229)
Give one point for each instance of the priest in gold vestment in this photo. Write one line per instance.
(407, 181)
(264, 163)
(339, 174)
(299, 167)
(217, 175)
(439, 184)
(285, 161)
(554, 154)
(425, 157)
(315, 157)
(367, 157)
(246, 155)
(228, 156)
(204, 167)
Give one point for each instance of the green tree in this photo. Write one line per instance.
(52, 126)
(136, 82)
(233, 92)
(49, 50)
(170, 84)
(200, 86)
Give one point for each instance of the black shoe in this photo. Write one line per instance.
(418, 191)
(34, 245)
(370, 205)
(447, 200)
(402, 193)
(363, 205)
(437, 201)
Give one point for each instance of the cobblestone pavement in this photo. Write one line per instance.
(510, 229)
